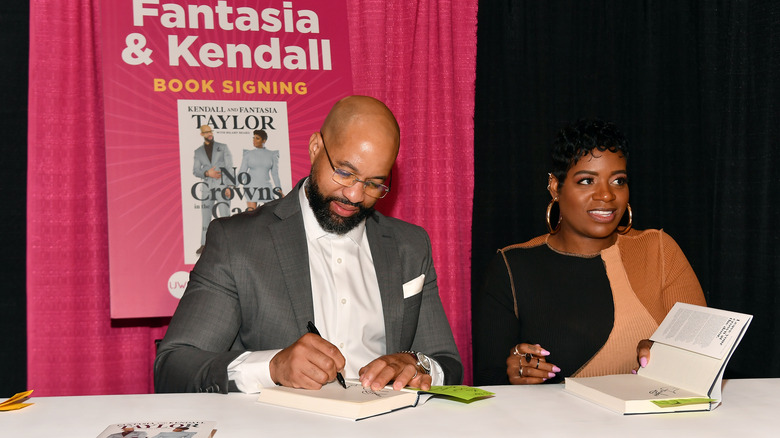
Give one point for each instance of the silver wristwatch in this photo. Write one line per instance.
(423, 361)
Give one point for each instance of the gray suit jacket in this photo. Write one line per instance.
(251, 290)
(220, 157)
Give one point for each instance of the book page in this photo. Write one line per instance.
(633, 394)
(703, 330)
(355, 393)
(354, 402)
(681, 368)
(628, 387)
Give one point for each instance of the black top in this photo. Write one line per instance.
(564, 304)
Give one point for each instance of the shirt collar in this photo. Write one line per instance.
(313, 229)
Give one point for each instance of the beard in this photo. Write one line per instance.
(329, 221)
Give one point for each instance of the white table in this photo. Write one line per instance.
(750, 408)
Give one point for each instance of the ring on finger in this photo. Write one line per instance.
(415, 374)
(528, 357)
(520, 372)
(537, 362)
(516, 353)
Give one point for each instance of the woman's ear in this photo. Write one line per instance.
(552, 185)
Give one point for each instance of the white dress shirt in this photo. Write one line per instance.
(347, 304)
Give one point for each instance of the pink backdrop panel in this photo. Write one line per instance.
(163, 80)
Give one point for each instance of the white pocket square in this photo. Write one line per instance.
(414, 287)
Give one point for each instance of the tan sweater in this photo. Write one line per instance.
(647, 273)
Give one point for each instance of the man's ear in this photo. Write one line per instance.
(314, 146)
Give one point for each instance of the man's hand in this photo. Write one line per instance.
(401, 368)
(214, 173)
(308, 363)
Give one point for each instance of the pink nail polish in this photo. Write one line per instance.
(633, 371)
(556, 369)
(643, 361)
(545, 352)
(551, 375)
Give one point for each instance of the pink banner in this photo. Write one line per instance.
(233, 67)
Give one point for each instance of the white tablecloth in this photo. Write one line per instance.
(750, 408)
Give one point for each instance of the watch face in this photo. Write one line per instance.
(425, 362)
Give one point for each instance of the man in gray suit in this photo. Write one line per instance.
(321, 254)
(209, 159)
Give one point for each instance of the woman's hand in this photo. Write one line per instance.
(526, 365)
(643, 353)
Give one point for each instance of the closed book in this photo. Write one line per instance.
(160, 429)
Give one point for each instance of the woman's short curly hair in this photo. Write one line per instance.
(580, 139)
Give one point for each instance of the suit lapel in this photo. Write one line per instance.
(387, 264)
(218, 154)
(292, 251)
(201, 153)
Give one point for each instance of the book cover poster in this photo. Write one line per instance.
(175, 69)
(248, 171)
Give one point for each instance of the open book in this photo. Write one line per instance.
(691, 348)
(354, 403)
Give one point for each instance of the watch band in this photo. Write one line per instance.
(416, 355)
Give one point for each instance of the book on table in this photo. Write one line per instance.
(160, 429)
(690, 351)
(354, 402)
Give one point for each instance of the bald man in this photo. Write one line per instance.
(322, 254)
(214, 191)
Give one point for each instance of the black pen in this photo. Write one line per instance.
(313, 329)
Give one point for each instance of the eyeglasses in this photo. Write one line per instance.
(348, 179)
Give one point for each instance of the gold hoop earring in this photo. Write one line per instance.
(630, 220)
(549, 224)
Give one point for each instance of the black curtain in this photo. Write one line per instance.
(693, 85)
(14, 30)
